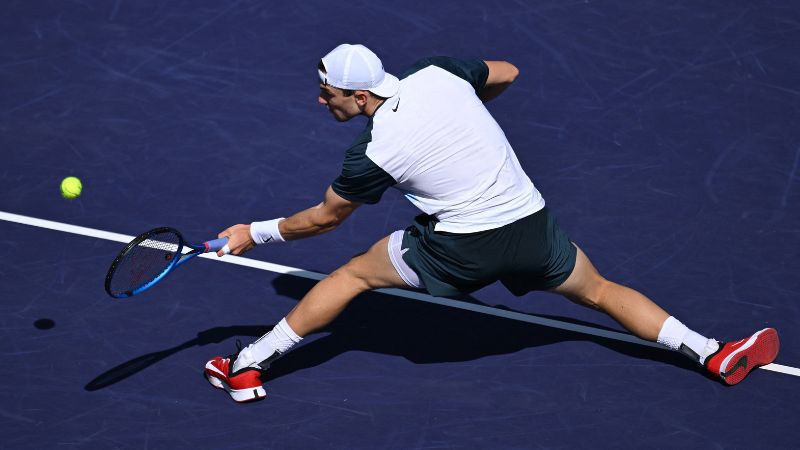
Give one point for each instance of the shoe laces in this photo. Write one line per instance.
(232, 358)
(239, 348)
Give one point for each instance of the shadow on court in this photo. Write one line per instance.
(419, 332)
(136, 365)
(425, 333)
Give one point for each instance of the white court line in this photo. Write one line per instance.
(277, 268)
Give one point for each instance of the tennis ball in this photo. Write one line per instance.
(71, 187)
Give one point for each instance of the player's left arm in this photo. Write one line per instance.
(501, 75)
(324, 217)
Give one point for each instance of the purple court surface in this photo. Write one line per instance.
(665, 136)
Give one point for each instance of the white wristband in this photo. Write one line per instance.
(266, 232)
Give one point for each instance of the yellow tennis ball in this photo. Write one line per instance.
(71, 187)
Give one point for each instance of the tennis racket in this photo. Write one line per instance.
(148, 258)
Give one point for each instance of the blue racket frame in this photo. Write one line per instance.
(206, 247)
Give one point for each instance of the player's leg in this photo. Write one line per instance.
(630, 308)
(368, 271)
(730, 361)
(240, 374)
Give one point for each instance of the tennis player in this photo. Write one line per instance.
(429, 135)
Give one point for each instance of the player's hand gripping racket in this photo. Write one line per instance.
(147, 259)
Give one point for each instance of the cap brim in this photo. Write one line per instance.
(388, 88)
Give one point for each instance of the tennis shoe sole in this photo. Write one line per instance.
(740, 357)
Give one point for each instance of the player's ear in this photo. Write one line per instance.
(361, 98)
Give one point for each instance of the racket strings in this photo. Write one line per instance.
(145, 262)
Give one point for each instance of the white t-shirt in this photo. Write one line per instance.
(436, 142)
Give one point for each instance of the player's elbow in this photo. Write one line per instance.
(510, 72)
(501, 72)
(513, 72)
(328, 220)
(332, 211)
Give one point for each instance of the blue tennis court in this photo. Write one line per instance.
(663, 136)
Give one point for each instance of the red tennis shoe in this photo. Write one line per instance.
(243, 386)
(734, 360)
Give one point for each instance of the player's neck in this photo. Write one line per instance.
(372, 105)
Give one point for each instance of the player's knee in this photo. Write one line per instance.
(354, 274)
(594, 294)
(370, 270)
(599, 294)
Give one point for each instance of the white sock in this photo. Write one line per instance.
(268, 347)
(678, 336)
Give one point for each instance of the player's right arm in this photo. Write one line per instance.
(320, 219)
(501, 75)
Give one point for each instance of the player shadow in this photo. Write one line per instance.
(425, 333)
(420, 332)
(136, 365)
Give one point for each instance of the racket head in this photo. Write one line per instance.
(144, 262)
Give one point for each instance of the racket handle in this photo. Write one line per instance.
(215, 245)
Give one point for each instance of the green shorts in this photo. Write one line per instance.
(529, 254)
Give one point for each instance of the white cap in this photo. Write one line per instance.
(355, 67)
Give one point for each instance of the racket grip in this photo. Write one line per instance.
(215, 245)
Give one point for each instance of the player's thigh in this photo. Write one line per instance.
(584, 283)
(375, 267)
